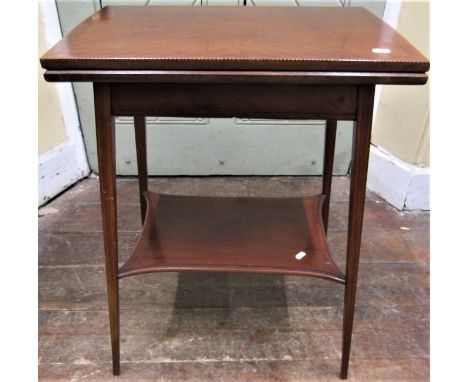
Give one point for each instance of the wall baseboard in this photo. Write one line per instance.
(403, 185)
(58, 169)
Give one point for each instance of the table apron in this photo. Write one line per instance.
(235, 100)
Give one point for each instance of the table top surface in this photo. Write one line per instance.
(234, 38)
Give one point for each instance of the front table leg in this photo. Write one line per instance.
(105, 135)
(361, 145)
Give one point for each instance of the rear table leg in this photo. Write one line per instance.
(329, 153)
(140, 140)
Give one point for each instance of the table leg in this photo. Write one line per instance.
(140, 140)
(329, 153)
(361, 145)
(105, 134)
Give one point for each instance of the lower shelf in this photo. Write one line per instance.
(229, 234)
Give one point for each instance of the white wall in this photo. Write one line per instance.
(399, 160)
(62, 159)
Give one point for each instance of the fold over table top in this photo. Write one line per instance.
(235, 38)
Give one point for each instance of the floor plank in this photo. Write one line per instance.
(231, 327)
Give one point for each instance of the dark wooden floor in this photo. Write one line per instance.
(231, 327)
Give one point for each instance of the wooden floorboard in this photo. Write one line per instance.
(231, 327)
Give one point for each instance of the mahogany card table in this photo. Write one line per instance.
(244, 62)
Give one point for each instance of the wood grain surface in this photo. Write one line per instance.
(235, 38)
(252, 235)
